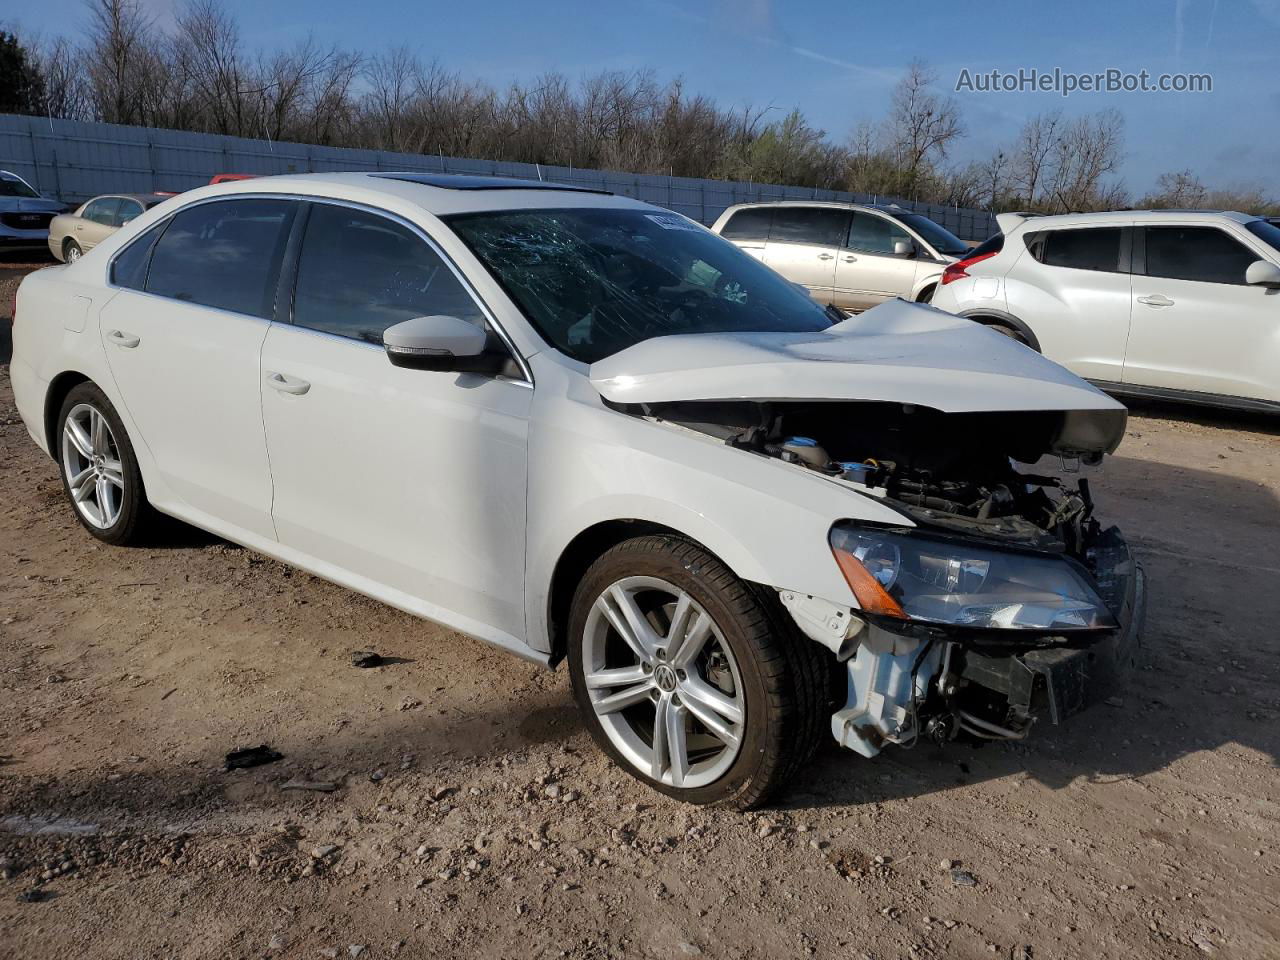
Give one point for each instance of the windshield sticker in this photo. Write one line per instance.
(669, 221)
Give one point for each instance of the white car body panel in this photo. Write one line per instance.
(411, 487)
(1211, 342)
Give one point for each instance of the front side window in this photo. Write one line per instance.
(749, 224)
(1096, 248)
(936, 235)
(1206, 254)
(224, 254)
(871, 234)
(596, 281)
(360, 273)
(820, 226)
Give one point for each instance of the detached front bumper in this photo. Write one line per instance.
(902, 688)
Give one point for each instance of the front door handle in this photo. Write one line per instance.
(122, 339)
(826, 256)
(1156, 300)
(278, 381)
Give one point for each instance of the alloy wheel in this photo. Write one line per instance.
(663, 682)
(91, 463)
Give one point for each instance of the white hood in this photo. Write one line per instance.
(900, 352)
(897, 352)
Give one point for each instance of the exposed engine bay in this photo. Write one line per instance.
(940, 650)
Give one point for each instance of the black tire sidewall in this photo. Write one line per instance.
(692, 577)
(134, 504)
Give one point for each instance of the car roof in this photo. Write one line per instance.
(890, 208)
(439, 194)
(1037, 222)
(140, 197)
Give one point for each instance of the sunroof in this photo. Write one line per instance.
(460, 181)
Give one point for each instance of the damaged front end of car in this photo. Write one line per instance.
(997, 598)
(1000, 600)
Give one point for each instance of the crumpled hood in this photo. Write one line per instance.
(897, 352)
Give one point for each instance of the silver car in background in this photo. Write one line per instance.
(848, 255)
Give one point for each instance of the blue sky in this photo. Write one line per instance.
(837, 60)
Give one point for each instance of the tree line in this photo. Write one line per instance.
(198, 73)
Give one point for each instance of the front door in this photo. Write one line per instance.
(803, 243)
(183, 345)
(409, 484)
(868, 271)
(1196, 324)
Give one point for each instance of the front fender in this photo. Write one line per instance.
(768, 521)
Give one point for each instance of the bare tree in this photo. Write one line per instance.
(1031, 152)
(922, 124)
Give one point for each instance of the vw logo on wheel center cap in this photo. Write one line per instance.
(665, 678)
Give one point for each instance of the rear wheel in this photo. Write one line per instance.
(688, 678)
(1011, 332)
(99, 469)
(71, 251)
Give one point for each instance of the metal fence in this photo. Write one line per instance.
(74, 160)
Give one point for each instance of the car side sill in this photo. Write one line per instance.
(369, 588)
(1221, 400)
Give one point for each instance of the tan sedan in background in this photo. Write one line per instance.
(76, 233)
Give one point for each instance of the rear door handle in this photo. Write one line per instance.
(1156, 300)
(826, 256)
(122, 339)
(850, 258)
(278, 381)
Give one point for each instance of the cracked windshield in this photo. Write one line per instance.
(596, 281)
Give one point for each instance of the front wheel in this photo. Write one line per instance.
(689, 679)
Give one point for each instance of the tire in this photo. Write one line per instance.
(1010, 332)
(99, 454)
(71, 252)
(926, 295)
(739, 650)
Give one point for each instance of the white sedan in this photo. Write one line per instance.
(580, 427)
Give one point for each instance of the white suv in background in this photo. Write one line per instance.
(846, 255)
(1182, 305)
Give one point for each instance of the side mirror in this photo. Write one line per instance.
(1263, 273)
(904, 248)
(445, 344)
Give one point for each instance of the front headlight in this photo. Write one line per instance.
(911, 577)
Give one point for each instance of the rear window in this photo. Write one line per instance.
(224, 255)
(749, 224)
(1091, 249)
(988, 247)
(821, 226)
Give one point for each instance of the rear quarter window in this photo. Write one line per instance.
(1094, 248)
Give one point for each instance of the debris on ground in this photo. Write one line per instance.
(366, 659)
(252, 757)
(316, 786)
(963, 878)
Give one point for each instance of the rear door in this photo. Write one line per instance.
(867, 271)
(183, 336)
(97, 222)
(1196, 324)
(803, 245)
(1072, 289)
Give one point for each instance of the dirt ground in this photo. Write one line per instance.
(473, 817)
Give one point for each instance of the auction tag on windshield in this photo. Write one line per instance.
(669, 221)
